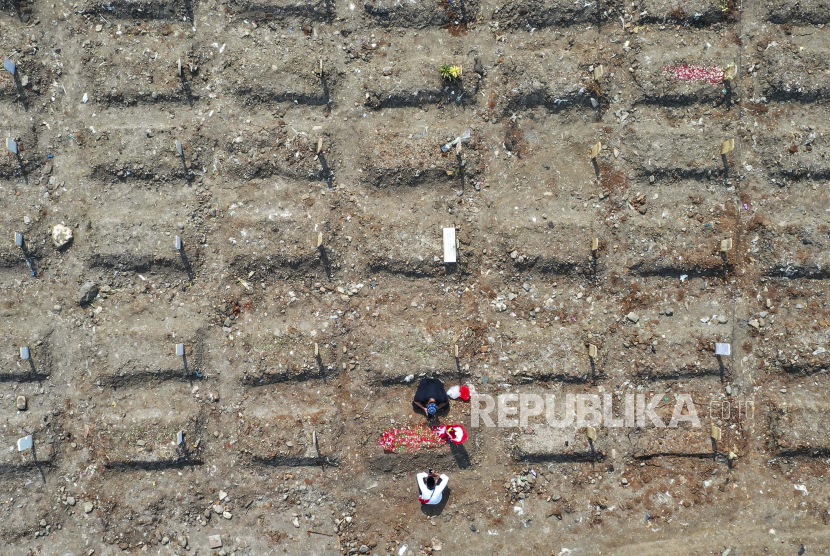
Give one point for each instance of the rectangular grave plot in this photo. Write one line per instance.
(29, 158)
(166, 10)
(144, 72)
(146, 440)
(290, 358)
(414, 158)
(142, 355)
(548, 79)
(553, 251)
(552, 13)
(281, 432)
(557, 445)
(698, 13)
(429, 13)
(801, 431)
(27, 462)
(784, 75)
(284, 10)
(682, 75)
(278, 151)
(795, 154)
(412, 78)
(272, 73)
(679, 155)
(132, 155)
(401, 250)
(673, 253)
(682, 441)
(38, 367)
(788, 235)
(405, 354)
(804, 12)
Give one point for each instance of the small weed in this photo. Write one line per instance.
(450, 73)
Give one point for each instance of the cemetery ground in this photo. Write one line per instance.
(310, 293)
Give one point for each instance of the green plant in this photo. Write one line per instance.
(449, 72)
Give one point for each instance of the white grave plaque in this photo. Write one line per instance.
(179, 438)
(11, 145)
(179, 147)
(449, 245)
(24, 353)
(180, 350)
(18, 239)
(25, 443)
(723, 349)
(9, 65)
(178, 243)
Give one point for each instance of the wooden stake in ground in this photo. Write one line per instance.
(595, 150)
(592, 351)
(319, 240)
(726, 245)
(450, 246)
(598, 72)
(725, 148)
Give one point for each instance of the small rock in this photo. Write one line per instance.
(88, 292)
(227, 515)
(722, 319)
(363, 549)
(165, 540)
(669, 311)
(88, 507)
(43, 523)
(754, 323)
(70, 500)
(21, 403)
(182, 541)
(624, 481)
(526, 287)
(222, 495)
(61, 236)
(218, 508)
(296, 522)
(632, 316)
(215, 541)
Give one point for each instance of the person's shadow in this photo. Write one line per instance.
(459, 452)
(431, 510)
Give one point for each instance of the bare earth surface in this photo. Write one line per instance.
(97, 106)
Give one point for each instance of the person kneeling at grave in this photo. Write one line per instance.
(431, 487)
(430, 396)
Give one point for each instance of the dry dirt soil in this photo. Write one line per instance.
(97, 105)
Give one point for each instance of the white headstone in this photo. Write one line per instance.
(450, 255)
(24, 353)
(18, 239)
(9, 65)
(723, 349)
(180, 67)
(180, 350)
(25, 443)
(11, 145)
(179, 147)
(178, 243)
(179, 438)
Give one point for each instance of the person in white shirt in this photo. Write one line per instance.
(431, 487)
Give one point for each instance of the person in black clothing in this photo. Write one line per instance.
(430, 396)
